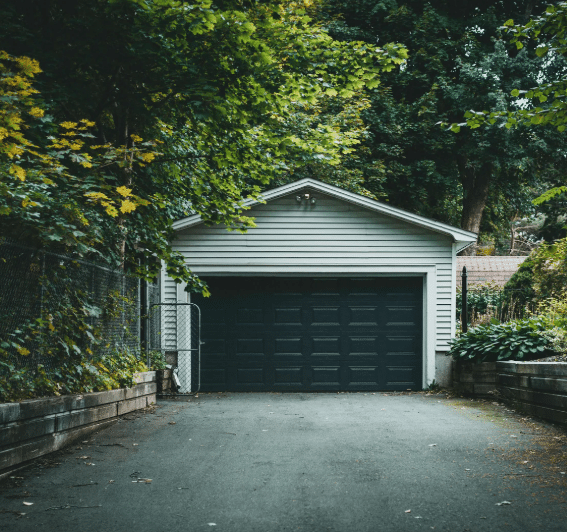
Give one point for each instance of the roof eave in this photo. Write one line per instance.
(459, 235)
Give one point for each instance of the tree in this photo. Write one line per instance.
(545, 103)
(548, 33)
(456, 62)
(231, 91)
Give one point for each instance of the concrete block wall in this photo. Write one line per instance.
(535, 388)
(36, 427)
(164, 381)
(479, 380)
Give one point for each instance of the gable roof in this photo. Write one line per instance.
(461, 237)
(481, 270)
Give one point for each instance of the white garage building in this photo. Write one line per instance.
(331, 291)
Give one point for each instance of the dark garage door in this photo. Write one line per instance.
(302, 334)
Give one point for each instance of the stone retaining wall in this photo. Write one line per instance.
(535, 388)
(164, 381)
(36, 427)
(479, 380)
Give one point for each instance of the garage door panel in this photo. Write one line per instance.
(325, 316)
(366, 345)
(363, 375)
(325, 288)
(401, 358)
(326, 375)
(289, 376)
(212, 346)
(288, 316)
(214, 378)
(325, 346)
(405, 313)
(403, 377)
(250, 316)
(250, 376)
(363, 316)
(288, 346)
(251, 347)
(311, 334)
(401, 342)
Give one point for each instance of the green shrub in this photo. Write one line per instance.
(107, 372)
(157, 360)
(484, 299)
(541, 276)
(514, 340)
(557, 337)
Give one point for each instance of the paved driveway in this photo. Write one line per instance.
(302, 462)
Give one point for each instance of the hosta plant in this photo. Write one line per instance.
(513, 340)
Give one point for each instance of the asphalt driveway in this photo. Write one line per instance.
(343, 462)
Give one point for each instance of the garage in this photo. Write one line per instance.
(311, 334)
(331, 291)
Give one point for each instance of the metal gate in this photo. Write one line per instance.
(175, 330)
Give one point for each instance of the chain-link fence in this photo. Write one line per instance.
(52, 304)
(175, 331)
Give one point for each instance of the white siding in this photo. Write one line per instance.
(330, 233)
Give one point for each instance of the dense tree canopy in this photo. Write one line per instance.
(457, 61)
(544, 104)
(231, 95)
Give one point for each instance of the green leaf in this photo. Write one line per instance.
(541, 51)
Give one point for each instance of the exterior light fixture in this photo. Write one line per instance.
(307, 197)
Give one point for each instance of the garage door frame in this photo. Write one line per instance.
(427, 272)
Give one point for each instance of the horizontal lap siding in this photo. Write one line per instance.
(331, 232)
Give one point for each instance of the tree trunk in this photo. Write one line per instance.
(476, 185)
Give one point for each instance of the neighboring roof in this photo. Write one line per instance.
(461, 237)
(484, 269)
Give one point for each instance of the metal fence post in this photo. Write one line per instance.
(464, 310)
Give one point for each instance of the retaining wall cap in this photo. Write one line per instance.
(535, 368)
(45, 406)
(9, 412)
(144, 376)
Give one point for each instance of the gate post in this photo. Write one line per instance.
(464, 309)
